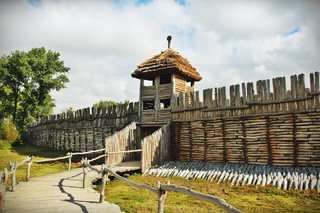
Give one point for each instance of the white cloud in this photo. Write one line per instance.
(102, 41)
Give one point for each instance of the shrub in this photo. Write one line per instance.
(9, 132)
(5, 145)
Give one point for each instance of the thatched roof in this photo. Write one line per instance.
(168, 61)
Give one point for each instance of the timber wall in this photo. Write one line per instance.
(276, 128)
(82, 130)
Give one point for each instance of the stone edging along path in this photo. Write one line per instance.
(58, 192)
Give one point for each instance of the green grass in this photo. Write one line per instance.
(37, 169)
(247, 198)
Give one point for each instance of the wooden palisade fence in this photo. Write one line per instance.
(155, 148)
(279, 128)
(187, 106)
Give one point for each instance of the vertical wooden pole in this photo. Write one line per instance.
(103, 183)
(85, 171)
(13, 168)
(161, 197)
(29, 163)
(70, 156)
(3, 181)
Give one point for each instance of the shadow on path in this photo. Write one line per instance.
(71, 198)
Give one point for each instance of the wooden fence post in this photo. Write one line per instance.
(104, 175)
(85, 171)
(161, 197)
(29, 163)
(106, 159)
(70, 156)
(3, 181)
(13, 168)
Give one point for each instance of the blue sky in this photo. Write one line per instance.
(102, 41)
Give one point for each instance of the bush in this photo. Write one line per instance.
(5, 145)
(9, 132)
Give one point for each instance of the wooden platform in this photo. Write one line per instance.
(126, 166)
(62, 192)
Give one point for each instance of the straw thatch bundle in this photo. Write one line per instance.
(168, 61)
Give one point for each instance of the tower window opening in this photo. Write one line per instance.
(148, 105)
(165, 79)
(148, 82)
(164, 104)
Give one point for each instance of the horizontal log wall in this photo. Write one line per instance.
(281, 139)
(82, 130)
(244, 101)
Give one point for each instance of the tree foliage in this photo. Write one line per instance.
(109, 103)
(26, 81)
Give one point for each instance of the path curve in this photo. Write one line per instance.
(58, 192)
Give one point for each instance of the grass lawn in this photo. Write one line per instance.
(246, 198)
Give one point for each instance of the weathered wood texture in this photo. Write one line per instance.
(155, 148)
(82, 130)
(123, 140)
(244, 100)
(286, 139)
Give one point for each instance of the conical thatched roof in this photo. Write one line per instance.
(168, 61)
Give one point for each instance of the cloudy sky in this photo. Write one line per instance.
(102, 41)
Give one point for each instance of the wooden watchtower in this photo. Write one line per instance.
(161, 77)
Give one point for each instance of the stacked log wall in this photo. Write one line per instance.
(286, 139)
(82, 130)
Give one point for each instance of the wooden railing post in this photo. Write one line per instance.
(104, 175)
(13, 168)
(29, 163)
(70, 156)
(85, 171)
(161, 197)
(106, 159)
(3, 182)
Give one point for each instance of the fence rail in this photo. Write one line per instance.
(4, 175)
(160, 190)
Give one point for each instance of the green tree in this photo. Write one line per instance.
(109, 103)
(26, 82)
